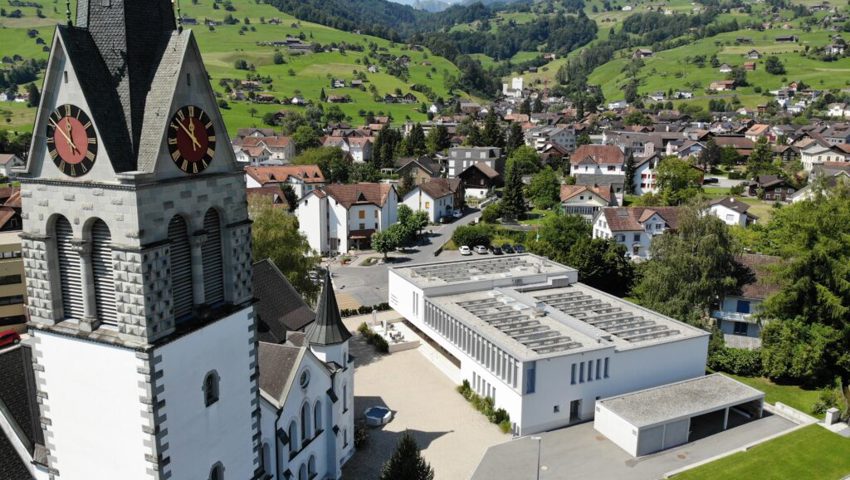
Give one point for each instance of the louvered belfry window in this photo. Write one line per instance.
(213, 270)
(181, 268)
(104, 281)
(69, 270)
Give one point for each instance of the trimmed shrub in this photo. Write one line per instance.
(736, 361)
(472, 235)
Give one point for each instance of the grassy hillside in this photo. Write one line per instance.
(224, 45)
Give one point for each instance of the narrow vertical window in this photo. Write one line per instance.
(590, 371)
(573, 374)
(104, 281)
(581, 372)
(213, 269)
(70, 276)
(211, 388)
(598, 365)
(606, 367)
(217, 472)
(182, 298)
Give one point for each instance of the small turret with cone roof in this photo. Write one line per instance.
(328, 336)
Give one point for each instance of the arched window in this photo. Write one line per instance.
(317, 416)
(302, 472)
(104, 282)
(311, 467)
(181, 268)
(213, 269)
(293, 437)
(305, 423)
(217, 472)
(211, 388)
(266, 458)
(70, 277)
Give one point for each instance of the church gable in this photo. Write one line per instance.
(181, 83)
(68, 90)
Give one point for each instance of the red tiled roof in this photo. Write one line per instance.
(630, 219)
(350, 194)
(280, 173)
(601, 154)
(570, 191)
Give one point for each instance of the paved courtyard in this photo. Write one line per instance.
(452, 435)
(582, 452)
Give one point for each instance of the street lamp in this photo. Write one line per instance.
(539, 440)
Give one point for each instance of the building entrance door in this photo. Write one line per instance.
(575, 407)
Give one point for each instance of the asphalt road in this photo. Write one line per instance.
(724, 182)
(368, 285)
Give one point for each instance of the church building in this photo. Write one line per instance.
(137, 252)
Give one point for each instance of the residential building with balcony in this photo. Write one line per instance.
(12, 286)
(635, 227)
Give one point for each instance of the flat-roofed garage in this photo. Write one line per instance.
(655, 419)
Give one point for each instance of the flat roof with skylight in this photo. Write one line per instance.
(479, 269)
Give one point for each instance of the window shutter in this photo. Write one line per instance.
(213, 270)
(104, 281)
(181, 268)
(69, 271)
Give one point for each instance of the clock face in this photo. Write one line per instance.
(71, 140)
(191, 139)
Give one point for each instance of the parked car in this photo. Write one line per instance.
(481, 250)
(457, 213)
(710, 180)
(518, 248)
(447, 219)
(495, 250)
(507, 248)
(464, 250)
(9, 337)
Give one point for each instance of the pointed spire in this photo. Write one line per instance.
(179, 17)
(328, 328)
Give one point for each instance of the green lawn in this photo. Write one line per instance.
(791, 395)
(811, 453)
(537, 216)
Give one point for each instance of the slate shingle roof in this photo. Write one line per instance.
(17, 393)
(328, 328)
(277, 364)
(279, 307)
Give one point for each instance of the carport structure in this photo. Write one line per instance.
(655, 419)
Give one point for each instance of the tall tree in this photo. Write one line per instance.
(525, 106)
(690, 268)
(515, 138)
(760, 160)
(407, 463)
(602, 264)
(513, 202)
(557, 235)
(416, 141)
(438, 139)
(678, 181)
(525, 159)
(276, 236)
(544, 190)
(330, 160)
(33, 95)
(492, 134)
(711, 155)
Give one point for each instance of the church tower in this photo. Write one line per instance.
(328, 338)
(137, 251)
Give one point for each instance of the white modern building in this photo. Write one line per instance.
(544, 347)
(435, 198)
(542, 136)
(461, 158)
(732, 212)
(634, 227)
(514, 89)
(337, 218)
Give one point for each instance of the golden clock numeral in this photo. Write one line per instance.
(172, 141)
(77, 116)
(92, 141)
(73, 171)
(208, 125)
(205, 163)
(210, 152)
(62, 165)
(90, 155)
(54, 153)
(51, 140)
(191, 110)
(67, 110)
(194, 167)
(83, 168)
(181, 114)
(175, 155)
(211, 138)
(174, 126)
(185, 166)
(87, 126)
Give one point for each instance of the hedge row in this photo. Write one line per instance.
(485, 405)
(363, 309)
(373, 338)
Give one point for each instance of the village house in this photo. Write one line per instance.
(434, 198)
(586, 200)
(771, 188)
(722, 85)
(634, 227)
(359, 148)
(340, 217)
(461, 158)
(479, 180)
(542, 136)
(732, 212)
(597, 160)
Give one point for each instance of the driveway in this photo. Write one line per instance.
(723, 182)
(582, 452)
(368, 285)
(452, 435)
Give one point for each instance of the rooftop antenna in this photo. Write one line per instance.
(68, 12)
(179, 17)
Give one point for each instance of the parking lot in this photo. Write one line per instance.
(452, 435)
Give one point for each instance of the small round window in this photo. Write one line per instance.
(305, 379)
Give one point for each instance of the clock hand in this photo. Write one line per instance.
(191, 135)
(58, 129)
(70, 132)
